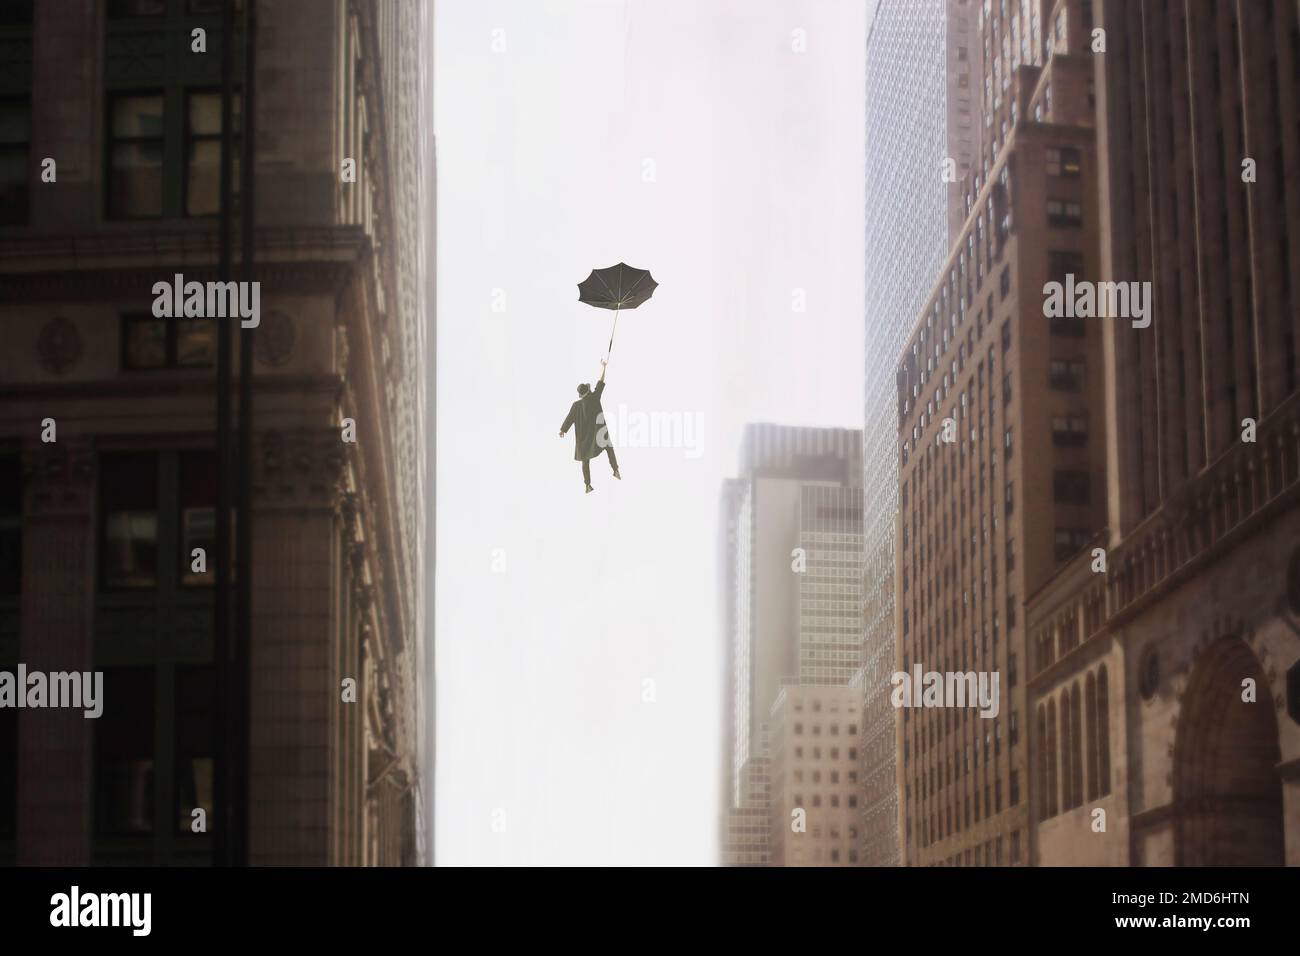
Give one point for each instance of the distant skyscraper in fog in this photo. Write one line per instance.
(793, 568)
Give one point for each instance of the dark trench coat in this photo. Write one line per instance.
(591, 437)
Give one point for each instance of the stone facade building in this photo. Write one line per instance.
(98, 528)
(1165, 684)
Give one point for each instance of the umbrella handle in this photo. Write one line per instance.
(610, 348)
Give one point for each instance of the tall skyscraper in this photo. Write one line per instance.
(921, 113)
(794, 538)
(1165, 684)
(99, 529)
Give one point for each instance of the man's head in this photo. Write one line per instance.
(583, 389)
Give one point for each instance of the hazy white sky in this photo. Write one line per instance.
(691, 138)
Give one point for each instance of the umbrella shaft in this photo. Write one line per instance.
(610, 348)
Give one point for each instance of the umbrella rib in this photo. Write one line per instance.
(603, 282)
(635, 284)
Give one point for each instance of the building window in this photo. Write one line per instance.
(1103, 731)
(1067, 326)
(1068, 541)
(1069, 431)
(1010, 499)
(1064, 161)
(1004, 289)
(124, 738)
(16, 13)
(1065, 376)
(15, 160)
(1011, 553)
(128, 507)
(1008, 442)
(1070, 487)
(210, 7)
(198, 511)
(1070, 163)
(1090, 725)
(135, 155)
(203, 152)
(11, 525)
(9, 759)
(1051, 777)
(123, 9)
(1062, 263)
(150, 343)
(1064, 214)
(195, 701)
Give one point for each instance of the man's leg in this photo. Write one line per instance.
(586, 472)
(613, 462)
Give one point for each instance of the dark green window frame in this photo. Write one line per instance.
(114, 206)
(179, 338)
(160, 638)
(15, 160)
(168, 68)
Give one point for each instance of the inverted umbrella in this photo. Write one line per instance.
(617, 287)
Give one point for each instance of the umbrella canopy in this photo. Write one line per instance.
(617, 287)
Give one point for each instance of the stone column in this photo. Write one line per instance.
(294, 697)
(57, 614)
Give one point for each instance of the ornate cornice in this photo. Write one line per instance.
(301, 468)
(125, 264)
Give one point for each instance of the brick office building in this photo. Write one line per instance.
(989, 510)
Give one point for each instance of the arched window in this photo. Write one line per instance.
(1076, 748)
(1041, 769)
(1090, 716)
(1051, 758)
(1067, 745)
(1103, 732)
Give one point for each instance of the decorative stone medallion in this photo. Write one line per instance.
(275, 339)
